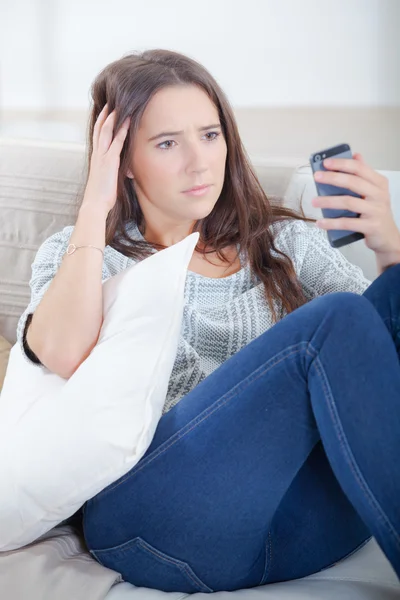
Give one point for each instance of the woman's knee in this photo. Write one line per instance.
(337, 316)
(346, 306)
(385, 289)
(391, 276)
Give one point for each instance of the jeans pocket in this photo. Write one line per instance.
(143, 565)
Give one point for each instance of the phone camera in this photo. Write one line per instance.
(317, 158)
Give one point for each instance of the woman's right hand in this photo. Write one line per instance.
(101, 187)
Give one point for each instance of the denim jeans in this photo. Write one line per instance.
(279, 464)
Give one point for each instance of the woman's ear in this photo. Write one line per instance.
(129, 174)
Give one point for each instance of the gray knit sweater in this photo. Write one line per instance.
(220, 315)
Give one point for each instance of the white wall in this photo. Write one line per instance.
(262, 52)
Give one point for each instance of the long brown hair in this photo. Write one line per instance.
(242, 215)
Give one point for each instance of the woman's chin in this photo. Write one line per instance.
(201, 211)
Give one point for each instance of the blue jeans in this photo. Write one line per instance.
(279, 464)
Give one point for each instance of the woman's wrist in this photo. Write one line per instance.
(90, 227)
(92, 210)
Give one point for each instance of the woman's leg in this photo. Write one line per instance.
(194, 514)
(384, 294)
(299, 527)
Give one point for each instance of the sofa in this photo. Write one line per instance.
(41, 183)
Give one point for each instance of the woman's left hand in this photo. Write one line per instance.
(376, 219)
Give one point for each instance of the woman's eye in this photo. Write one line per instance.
(163, 146)
(216, 133)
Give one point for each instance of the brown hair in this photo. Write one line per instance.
(242, 215)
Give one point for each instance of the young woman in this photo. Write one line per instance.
(277, 452)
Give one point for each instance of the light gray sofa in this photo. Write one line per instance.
(40, 183)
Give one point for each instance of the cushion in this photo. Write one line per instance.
(63, 441)
(4, 354)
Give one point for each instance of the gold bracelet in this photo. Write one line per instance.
(71, 248)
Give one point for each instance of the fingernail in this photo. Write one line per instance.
(318, 175)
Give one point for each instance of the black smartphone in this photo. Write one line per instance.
(337, 237)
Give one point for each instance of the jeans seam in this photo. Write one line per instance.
(393, 322)
(238, 388)
(160, 556)
(177, 563)
(268, 558)
(374, 504)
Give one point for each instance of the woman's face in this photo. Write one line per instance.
(179, 145)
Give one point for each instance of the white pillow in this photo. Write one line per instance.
(63, 441)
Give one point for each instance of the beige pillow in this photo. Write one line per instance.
(5, 348)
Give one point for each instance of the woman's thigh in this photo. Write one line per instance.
(199, 504)
(314, 526)
(315, 513)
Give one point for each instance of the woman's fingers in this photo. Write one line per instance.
(120, 137)
(354, 167)
(106, 133)
(357, 156)
(102, 184)
(355, 183)
(357, 205)
(98, 125)
(103, 133)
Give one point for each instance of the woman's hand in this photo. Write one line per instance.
(376, 220)
(101, 187)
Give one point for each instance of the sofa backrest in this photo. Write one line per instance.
(41, 183)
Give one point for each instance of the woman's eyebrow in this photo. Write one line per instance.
(165, 133)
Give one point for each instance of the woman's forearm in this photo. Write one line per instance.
(66, 324)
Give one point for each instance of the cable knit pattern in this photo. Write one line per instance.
(223, 315)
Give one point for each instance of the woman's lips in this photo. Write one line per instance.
(198, 192)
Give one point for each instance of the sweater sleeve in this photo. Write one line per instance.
(44, 267)
(320, 268)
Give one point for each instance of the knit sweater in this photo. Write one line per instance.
(220, 315)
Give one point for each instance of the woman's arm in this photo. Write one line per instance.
(66, 297)
(66, 323)
(320, 268)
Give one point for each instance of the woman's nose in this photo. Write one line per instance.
(195, 159)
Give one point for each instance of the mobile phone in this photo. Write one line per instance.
(337, 237)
